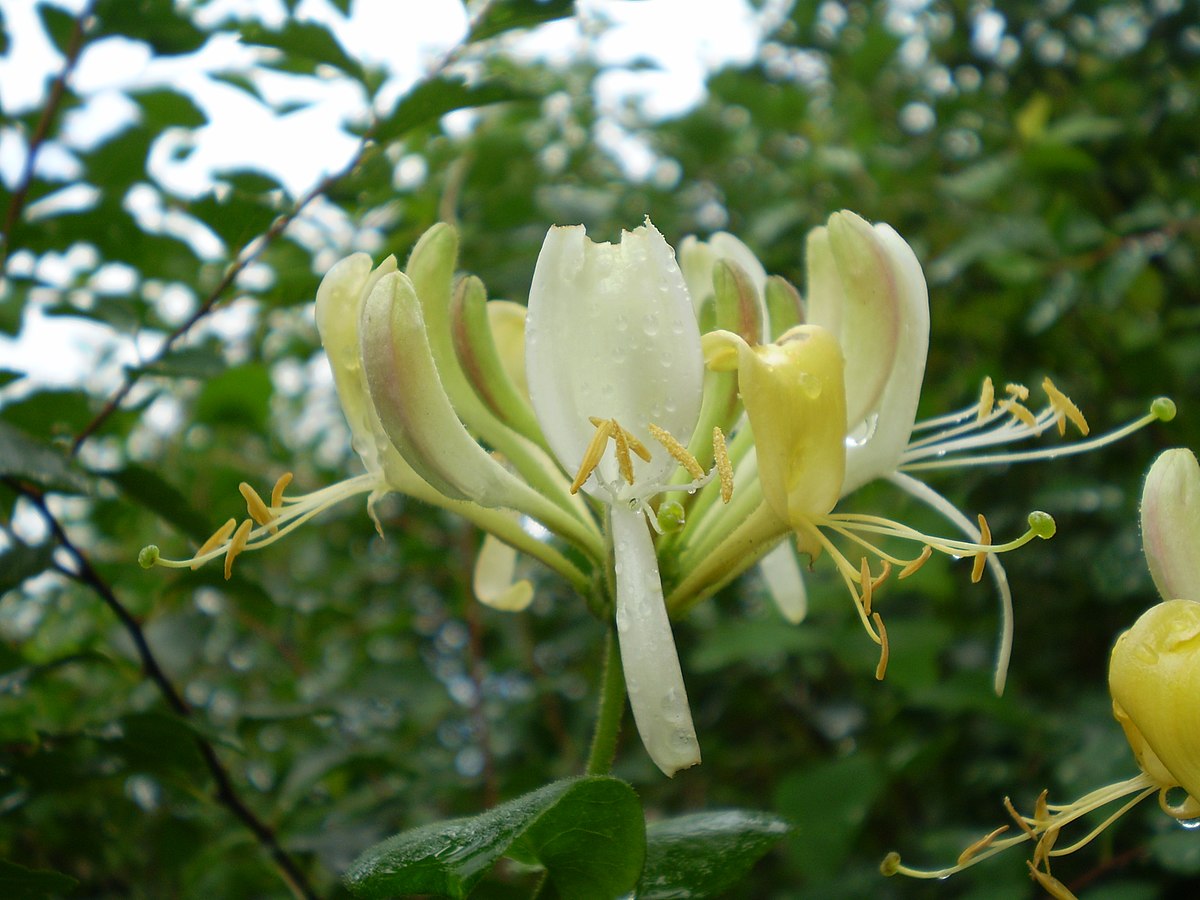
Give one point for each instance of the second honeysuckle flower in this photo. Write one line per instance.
(615, 375)
(1154, 679)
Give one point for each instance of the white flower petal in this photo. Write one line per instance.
(611, 333)
(651, 665)
(781, 574)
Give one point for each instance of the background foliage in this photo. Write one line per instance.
(342, 687)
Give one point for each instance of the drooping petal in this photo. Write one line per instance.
(785, 582)
(1154, 677)
(1171, 524)
(877, 449)
(494, 583)
(611, 334)
(651, 665)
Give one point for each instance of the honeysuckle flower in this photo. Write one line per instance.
(373, 326)
(613, 357)
(1153, 678)
(865, 287)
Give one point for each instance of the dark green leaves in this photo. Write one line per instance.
(306, 42)
(587, 832)
(703, 854)
(502, 17)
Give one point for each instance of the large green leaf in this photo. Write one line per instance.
(705, 853)
(19, 561)
(149, 489)
(433, 99)
(26, 459)
(164, 26)
(588, 832)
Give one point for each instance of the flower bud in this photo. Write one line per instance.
(1171, 524)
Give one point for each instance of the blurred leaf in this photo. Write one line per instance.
(164, 26)
(8, 376)
(165, 109)
(203, 361)
(158, 742)
(703, 854)
(19, 561)
(587, 832)
(59, 26)
(828, 804)
(982, 180)
(27, 459)
(149, 489)
(502, 17)
(240, 396)
(431, 100)
(305, 40)
(20, 883)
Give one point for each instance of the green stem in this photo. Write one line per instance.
(610, 711)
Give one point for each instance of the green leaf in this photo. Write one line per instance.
(20, 883)
(433, 99)
(828, 804)
(19, 561)
(588, 832)
(308, 41)
(8, 376)
(239, 396)
(705, 853)
(163, 26)
(202, 361)
(164, 109)
(502, 17)
(149, 489)
(27, 459)
(59, 26)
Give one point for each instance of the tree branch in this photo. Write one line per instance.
(226, 794)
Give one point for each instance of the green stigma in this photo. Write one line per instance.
(1042, 524)
(1163, 409)
(148, 556)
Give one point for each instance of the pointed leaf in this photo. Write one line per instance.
(588, 832)
(27, 459)
(20, 883)
(703, 854)
(433, 99)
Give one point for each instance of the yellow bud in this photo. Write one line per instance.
(1154, 677)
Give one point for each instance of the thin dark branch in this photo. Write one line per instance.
(226, 794)
(49, 112)
(251, 251)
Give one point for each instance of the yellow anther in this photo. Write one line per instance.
(237, 545)
(1050, 884)
(634, 444)
(624, 460)
(868, 586)
(982, 844)
(883, 575)
(881, 669)
(926, 552)
(1019, 412)
(254, 504)
(1017, 391)
(1066, 409)
(280, 486)
(1041, 852)
(1041, 809)
(985, 538)
(595, 449)
(724, 466)
(987, 399)
(220, 536)
(677, 451)
(1018, 818)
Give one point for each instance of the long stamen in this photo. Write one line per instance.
(938, 451)
(678, 452)
(595, 449)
